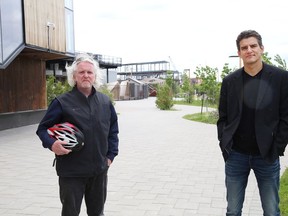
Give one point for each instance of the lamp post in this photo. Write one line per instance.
(236, 56)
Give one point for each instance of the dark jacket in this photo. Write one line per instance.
(95, 116)
(271, 115)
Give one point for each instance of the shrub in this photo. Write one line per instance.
(55, 88)
(164, 98)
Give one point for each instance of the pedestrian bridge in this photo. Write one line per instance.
(139, 70)
(155, 69)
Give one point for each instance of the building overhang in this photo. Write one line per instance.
(44, 54)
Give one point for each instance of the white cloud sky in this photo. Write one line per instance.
(192, 33)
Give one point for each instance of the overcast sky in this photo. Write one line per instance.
(192, 33)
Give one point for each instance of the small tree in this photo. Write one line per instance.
(164, 97)
(281, 63)
(187, 88)
(226, 70)
(208, 85)
(266, 58)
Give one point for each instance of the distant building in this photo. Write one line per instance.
(107, 64)
(129, 89)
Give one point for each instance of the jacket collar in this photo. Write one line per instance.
(238, 84)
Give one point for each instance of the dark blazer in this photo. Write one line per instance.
(271, 116)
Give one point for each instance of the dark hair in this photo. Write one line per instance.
(247, 34)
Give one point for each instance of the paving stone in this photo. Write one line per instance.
(167, 166)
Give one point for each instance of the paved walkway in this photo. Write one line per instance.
(167, 166)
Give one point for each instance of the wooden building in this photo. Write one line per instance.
(32, 32)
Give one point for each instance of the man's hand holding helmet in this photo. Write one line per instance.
(58, 148)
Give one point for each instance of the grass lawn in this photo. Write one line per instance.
(283, 193)
(205, 117)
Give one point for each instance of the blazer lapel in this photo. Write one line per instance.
(238, 87)
(265, 77)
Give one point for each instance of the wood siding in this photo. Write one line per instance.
(23, 85)
(37, 14)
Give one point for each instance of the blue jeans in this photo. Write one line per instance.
(237, 169)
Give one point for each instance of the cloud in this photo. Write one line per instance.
(191, 32)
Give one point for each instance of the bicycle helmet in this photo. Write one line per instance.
(69, 133)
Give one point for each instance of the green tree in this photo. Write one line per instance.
(169, 79)
(281, 63)
(266, 58)
(208, 84)
(187, 88)
(226, 70)
(164, 97)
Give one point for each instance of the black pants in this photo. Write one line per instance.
(94, 190)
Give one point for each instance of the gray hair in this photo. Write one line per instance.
(84, 57)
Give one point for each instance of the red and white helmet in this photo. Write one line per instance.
(68, 133)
